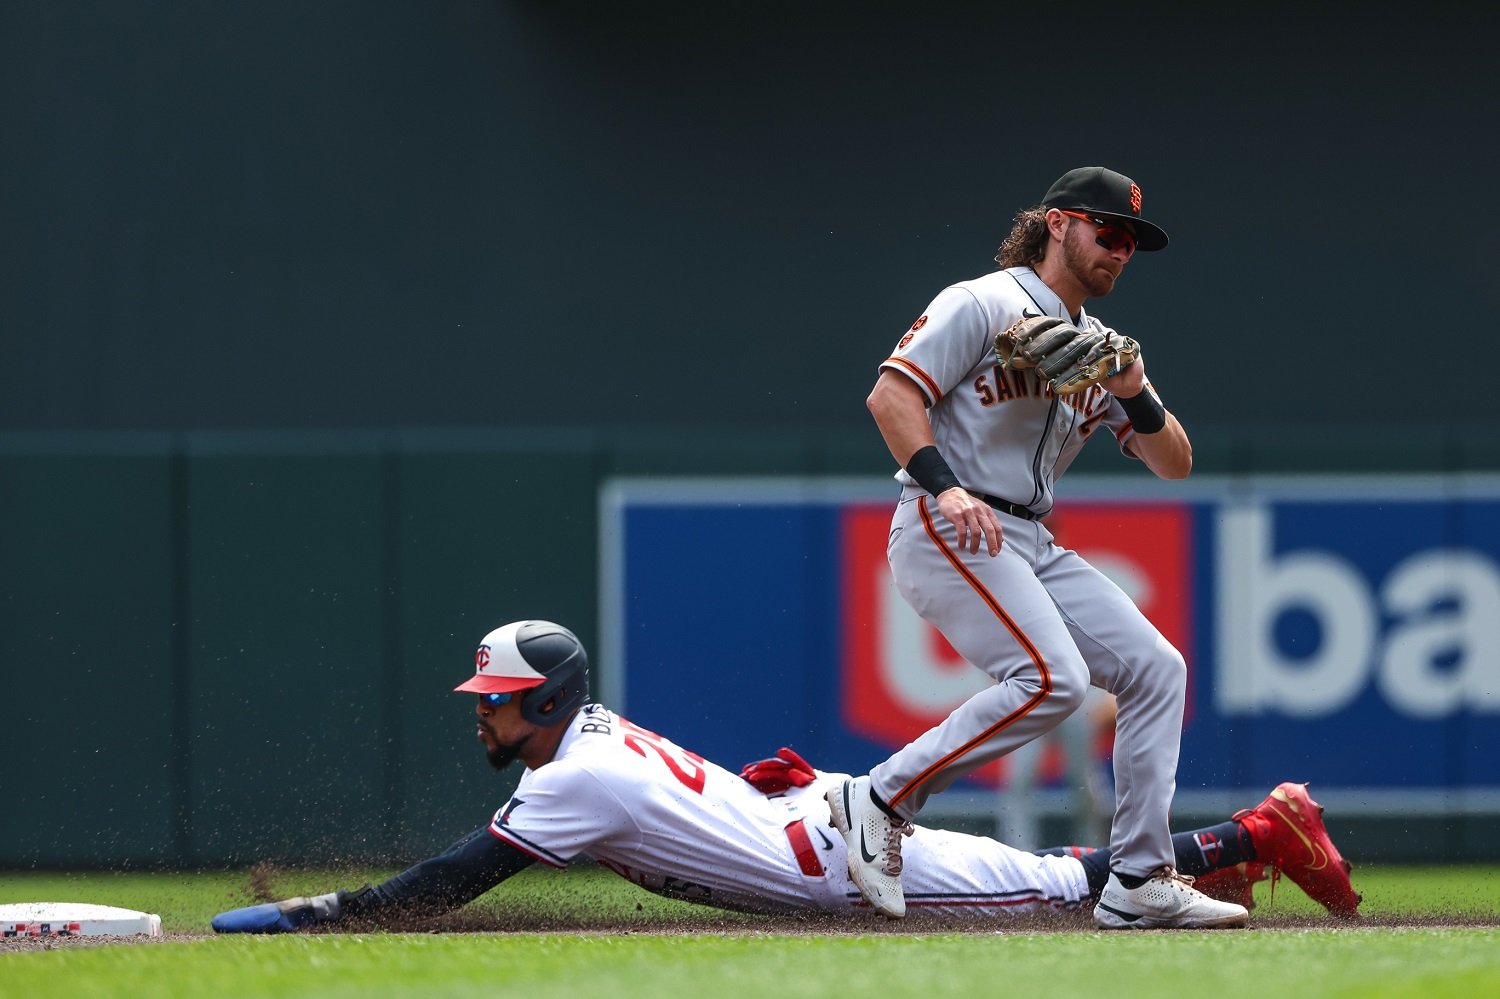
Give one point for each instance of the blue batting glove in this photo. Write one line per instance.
(279, 917)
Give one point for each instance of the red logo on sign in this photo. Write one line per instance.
(900, 676)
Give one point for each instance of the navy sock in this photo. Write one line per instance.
(1197, 852)
(1213, 848)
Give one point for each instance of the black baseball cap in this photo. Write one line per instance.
(1109, 195)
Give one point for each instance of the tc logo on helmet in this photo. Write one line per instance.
(481, 658)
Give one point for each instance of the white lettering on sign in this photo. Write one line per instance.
(1255, 674)
(1448, 603)
(1436, 656)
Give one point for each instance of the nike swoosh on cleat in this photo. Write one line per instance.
(1314, 850)
(1129, 917)
(827, 843)
(869, 857)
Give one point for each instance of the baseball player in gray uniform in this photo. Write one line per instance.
(981, 447)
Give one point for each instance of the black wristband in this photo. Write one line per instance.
(1147, 415)
(931, 471)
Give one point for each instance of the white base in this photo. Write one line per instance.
(74, 919)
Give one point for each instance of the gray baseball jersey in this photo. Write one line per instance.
(1002, 432)
(1037, 618)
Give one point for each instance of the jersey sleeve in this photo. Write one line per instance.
(558, 812)
(945, 344)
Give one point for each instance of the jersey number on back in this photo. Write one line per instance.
(685, 766)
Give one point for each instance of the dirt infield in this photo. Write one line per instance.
(810, 924)
(582, 908)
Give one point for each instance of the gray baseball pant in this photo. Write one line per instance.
(1044, 624)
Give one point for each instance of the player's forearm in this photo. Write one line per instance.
(1168, 452)
(463, 872)
(457, 876)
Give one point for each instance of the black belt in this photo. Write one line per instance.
(1006, 506)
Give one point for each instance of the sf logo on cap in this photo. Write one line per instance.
(481, 658)
(1135, 198)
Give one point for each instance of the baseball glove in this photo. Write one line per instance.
(1070, 358)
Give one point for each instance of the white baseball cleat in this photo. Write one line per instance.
(1166, 901)
(873, 839)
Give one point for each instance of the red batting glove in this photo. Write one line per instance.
(785, 769)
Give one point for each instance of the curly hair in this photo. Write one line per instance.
(1027, 241)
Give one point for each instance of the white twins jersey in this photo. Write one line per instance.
(1003, 433)
(679, 825)
(656, 814)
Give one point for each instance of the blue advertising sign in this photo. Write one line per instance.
(1345, 632)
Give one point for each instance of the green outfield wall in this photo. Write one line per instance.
(366, 214)
(220, 648)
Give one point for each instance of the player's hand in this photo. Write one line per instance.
(283, 917)
(776, 774)
(1130, 381)
(974, 519)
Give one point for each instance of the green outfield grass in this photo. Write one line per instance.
(605, 940)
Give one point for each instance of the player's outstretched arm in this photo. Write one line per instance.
(457, 876)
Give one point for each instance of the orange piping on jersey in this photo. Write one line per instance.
(917, 374)
(1016, 632)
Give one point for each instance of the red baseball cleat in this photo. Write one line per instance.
(1233, 884)
(1288, 832)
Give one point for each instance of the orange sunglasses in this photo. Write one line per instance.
(1110, 235)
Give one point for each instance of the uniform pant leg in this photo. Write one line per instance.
(998, 616)
(1017, 806)
(954, 874)
(1092, 798)
(1128, 657)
